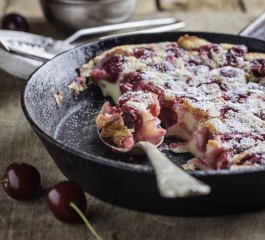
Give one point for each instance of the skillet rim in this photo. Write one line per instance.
(122, 165)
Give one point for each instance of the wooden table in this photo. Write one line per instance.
(26, 220)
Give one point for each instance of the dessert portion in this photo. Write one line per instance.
(209, 95)
(132, 120)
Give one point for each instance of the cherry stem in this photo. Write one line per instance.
(4, 181)
(85, 220)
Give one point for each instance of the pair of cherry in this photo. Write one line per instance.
(66, 199)
(22, 181)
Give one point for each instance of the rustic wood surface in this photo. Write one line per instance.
(31, 220)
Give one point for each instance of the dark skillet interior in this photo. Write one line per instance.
(78, 131)
(69, 134)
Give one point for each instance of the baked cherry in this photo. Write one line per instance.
(163, 67)
(21, 181)
(128, 119)
(151, 87)
(258, 67)
(15, 22)
(234, 53)
(144, 53)
(209, 50)
(111, 68)
(67, 202)
(252, 158)
(174, 51)
(131, 82)
(168, 113)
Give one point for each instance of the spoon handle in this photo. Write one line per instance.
(119, 26)
(171, 180)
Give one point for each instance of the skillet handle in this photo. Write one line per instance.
(255, 29)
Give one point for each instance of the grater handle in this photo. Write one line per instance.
(255, 29)
(109, 28)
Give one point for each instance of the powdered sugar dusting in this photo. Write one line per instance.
(215, 84)
(138, 100)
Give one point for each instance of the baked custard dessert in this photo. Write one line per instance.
(209, 95)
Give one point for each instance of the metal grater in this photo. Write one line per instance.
(256, 29)
(44, 48)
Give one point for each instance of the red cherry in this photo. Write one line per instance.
(15, 22)
(21, 181)
(67, 202)
(60, 197)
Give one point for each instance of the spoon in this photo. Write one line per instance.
(172, 181)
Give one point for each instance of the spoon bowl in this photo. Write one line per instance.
(172, 181)
(134, 150)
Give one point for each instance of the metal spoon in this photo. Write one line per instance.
(172, 181)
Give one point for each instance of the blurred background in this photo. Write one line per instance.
(147, 6)
(196, 13)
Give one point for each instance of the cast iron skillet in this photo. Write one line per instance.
(68, 132)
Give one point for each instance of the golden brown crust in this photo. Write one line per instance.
(117, 136)
(112, 126)
(58, 97)
(210, 126)
(226, 46)
(254, 55)
(113, 122)
(197, 113)
(90, 64)
(77, 87)
(191, 42)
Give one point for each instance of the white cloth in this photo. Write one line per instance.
(17, 65)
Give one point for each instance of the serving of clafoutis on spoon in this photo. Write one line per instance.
(172, 181)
